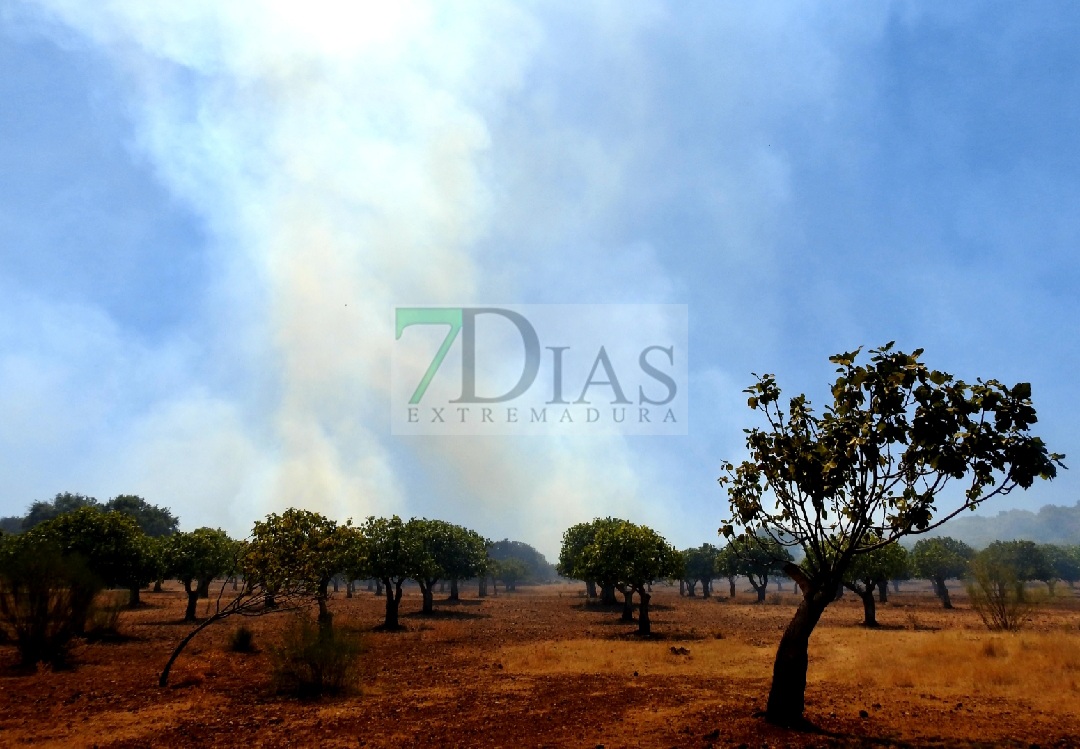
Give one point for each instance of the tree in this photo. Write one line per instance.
(895, 436)
(300, 549)
(195, 558)
(571, 564)
(64, 502)
(1065, 562)
(390, 554)
(537, 567)
(633, 556)
(114, 548)
(1024, 558)
(511, 571)
(154, 521)
(700, 566)
(759, 557)
(874, 570)
(447, 552)
(727, 567)
(940, 559)
(45, 596)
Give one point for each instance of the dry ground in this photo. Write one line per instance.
(539, 668)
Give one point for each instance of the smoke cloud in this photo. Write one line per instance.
(340, 156)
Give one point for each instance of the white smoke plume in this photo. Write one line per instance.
(339, 153)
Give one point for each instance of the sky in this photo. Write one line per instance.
(208, 210)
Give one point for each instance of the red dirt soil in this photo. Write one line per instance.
(541, 668)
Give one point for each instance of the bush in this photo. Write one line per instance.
(313, 661)
(103, 621)
(45, 598)
(242, 640)
(996, 594)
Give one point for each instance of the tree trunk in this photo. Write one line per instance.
(628, 604)
(371, 586)
(943, 592)
(787, 695)
(392, 601)
(482, 593)
(454, 591)
(895, 586)
(731, 587)
(204, 588)
(326, 619)
(192, 601)
(378, 587)
(691, 588)
(705, 585)
(428, 591)
(761, 590)
(590, 589)
(643, 627)
(335, 584)
(349, 589)
(682, 588)
(157, 584)
(869, 607)
(883, 591)
(133, 598)
(607, 595)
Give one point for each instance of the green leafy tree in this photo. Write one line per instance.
(1064, 561)
(154, 520)
(940, 559)
(300, 550)
(45, 596)
(1024, 558)
(538, 568)
(512, 571)
(727, 567)
(634, 556)
(759, 557)
(112, 545)
(576, 539)
(196, 558)
(875, 462)
(872, 571)
(64, 502)
(391, 553)
(700, 567)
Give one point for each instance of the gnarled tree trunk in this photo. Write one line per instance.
(787, 695)
(393, 598)
(454, 591)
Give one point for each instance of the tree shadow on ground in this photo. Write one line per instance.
(436, 614)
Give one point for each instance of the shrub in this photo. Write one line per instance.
(103, 621)
(44, 598)
(313, 661)
(242, 640)
(995, 594)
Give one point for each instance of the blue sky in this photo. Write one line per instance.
(191, 193)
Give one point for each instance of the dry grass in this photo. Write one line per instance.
(727, 657)
(1037, 669)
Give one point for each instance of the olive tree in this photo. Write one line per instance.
(875, 462)
(633, 556)
(940, 559)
